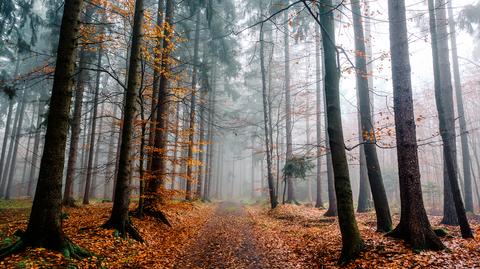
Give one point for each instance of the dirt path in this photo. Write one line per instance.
(226, 241)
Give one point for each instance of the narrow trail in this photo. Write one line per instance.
(226, 241)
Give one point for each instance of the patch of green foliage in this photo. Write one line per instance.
(297, 167)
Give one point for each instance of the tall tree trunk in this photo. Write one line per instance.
(6, 136)
(384, 221)
(27, 152)
(36, 146)
(93, 128)
(156, 83)
(119, 218)
(111, 160)
(158, 167)
(318, 113)
(75, 128)
(332, 198)
(288, 107)
(15, 141)
(175, 145)
(352, 243)
(414, 226)
(444, 101)
(271, 187)
(45, 224)
(467, 176)
(93, 188)
(191, 135)
(365, 195)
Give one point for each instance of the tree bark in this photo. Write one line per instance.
(414, 226)
(75, 127)
(466, 162)
(444, 101)
(288, 107)
(191, 135)
(271, 187)
(15, 141)
(5, 140)
(93, 129)
(318, 114)
(382, 210)
(45, 225)
(36, 146)
(158, 167)
(119, 218)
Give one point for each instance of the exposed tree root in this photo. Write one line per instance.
(124, 229)
(423, 239)
(157, 214)
(67, 248)
(351, 252)
(330, 213)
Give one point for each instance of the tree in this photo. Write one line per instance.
(384, 221)
(318, 114)
(414, 226)
(352, 243)
(75, 128)
(444, 101)
(119, 218)
(466, 161)
(191, 142)
(268, 145)
(45, 224)
(288, 106)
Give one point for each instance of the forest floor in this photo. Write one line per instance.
(230, 235)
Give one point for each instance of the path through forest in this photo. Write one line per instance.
(226, 241)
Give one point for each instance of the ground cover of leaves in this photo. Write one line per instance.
(301, 237)
(164, 245)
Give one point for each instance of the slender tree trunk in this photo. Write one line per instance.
(6, 135)
(332, 198)
(156, 82)
(414, 226)
(15, 141)
(365, 195)
(271, 188)
(288, 108)
(191, 135)
(352, 243)
(109, 173)
(467, 176)
(119, 219)
(318, 113)
(382, 210)
(444, 101)
(93, 129)
(95, 172)
(36, 146)
(27, 152)
(158, 167)
(175, 145)
(75, 128)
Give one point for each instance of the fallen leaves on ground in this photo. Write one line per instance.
(163, 245)
(303, 238)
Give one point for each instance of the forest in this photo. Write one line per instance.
(239, 134)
